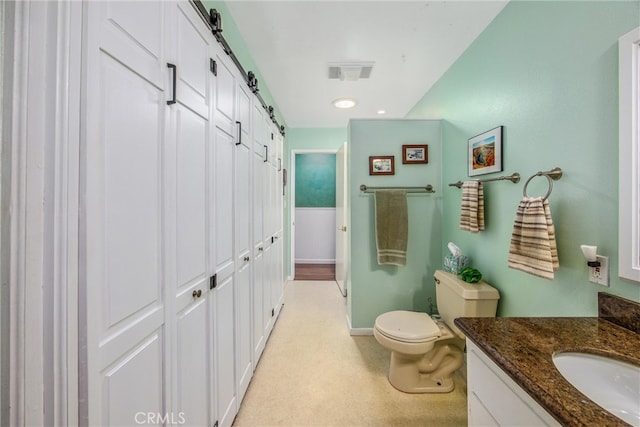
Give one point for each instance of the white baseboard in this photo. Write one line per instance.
(358, 331)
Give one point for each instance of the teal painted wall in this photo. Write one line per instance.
(315, 180)
(547, 72)
(375, 289)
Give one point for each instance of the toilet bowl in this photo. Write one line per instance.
(425, 353)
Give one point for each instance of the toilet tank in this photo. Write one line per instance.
(457, 298)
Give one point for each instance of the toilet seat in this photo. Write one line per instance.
(408, 326)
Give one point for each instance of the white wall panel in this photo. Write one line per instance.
(315, 235)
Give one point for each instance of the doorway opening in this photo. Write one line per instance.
(313, 212)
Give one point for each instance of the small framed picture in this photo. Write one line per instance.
(415, 154)
(382, 165)
(485, 152)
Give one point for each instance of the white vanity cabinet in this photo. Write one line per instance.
(494, 399)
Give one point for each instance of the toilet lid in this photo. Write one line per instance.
(407, 326)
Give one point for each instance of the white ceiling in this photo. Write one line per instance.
(411, 42)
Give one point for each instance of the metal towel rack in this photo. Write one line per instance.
(426, 189)
(552, 175)
(515, 178)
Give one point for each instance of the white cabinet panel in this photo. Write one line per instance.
(225, 96)
(497, 398)
(133, 33)
(191, 196)
(224, 192)
(193, 365)
(192, 59)
(126, 198)
(125, 400)
(225, 352)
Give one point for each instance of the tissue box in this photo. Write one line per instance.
(455, 264)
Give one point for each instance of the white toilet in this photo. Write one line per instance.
(425, 353)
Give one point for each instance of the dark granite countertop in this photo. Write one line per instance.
(523, 348)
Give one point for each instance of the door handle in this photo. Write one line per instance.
(173, 68)
(266, 153)
(197, 294)
(239, 133)
(343, 228)
(247, 258)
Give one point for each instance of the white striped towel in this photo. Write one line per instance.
(533, 246)
(472, 209)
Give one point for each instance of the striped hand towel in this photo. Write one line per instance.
(472, 209)
(392, 226)
(533, 241)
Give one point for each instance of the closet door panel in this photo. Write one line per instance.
(193, 53)
(225, 352)
(191, 206)
(132, 32)
(130, 194)
(193, 366)
(224, 193)
(225, 97)
(242, 201)
(122, 188)
(123, 398)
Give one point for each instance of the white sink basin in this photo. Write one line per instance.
(612, 384)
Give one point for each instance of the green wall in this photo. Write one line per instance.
(315, 180)
(375, 289)
(547, 72)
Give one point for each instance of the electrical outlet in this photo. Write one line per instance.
(600, 275)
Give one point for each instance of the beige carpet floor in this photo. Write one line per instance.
(313, 373)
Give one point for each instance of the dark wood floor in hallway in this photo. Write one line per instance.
(315, 272)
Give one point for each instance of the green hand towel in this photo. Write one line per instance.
(392, 226)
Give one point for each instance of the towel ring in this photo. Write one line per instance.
(524, 190)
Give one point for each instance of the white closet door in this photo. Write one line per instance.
(187, 215)
(224, 306)
(242, 217)
(123, 321)
(258, 165)
(267, 228)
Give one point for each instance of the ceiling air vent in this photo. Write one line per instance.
(350, 71)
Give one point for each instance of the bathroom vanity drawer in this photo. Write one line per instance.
(495, 399)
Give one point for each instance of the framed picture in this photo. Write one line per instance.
(415, 154)
(381, 165)
(485, 152)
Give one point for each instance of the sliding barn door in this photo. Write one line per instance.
(188, 205)
(123, 194)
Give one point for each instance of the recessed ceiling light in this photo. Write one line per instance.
(382, 112)
(344, 103)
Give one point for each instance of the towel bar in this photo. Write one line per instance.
(426, 189)
(515, 178)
